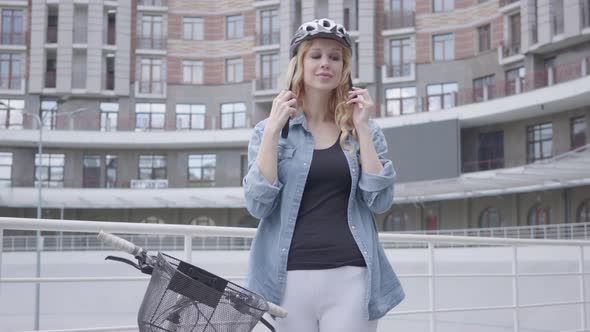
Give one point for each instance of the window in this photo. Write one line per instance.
(203, 221)
(484, 38)
(152, 167)
(400, 58)
(152, 220)
(269, 27)
(5, 169)
(49, 170)
(192, 72)
(490, 217)
(111, 162)
(12, 27)
(234, 27)
(11, 113)
(190, 116)
(443, 5)
(52, 21)
(201, 168)
(578, 132)
(233, 70)
(151, 32)
(111, 26)
(584, 212)
(91, 173)
(10, 76)
(540, 215)
(48, 114)
(490, 151)
(395, 222)
(556, 10)
(192, 28)
(514, 35)
(269, 71)
(109, 113)
(50, 68)
(149, 116)
(585, 13)
(109, 72)
(151, 76)
(483, 88)
(539, 142)
(233, 115)
(514, 81)
(444, 47)
(400, 100)
(441, 96)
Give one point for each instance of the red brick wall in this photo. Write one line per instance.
(214, 71)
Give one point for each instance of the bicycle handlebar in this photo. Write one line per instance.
(132, 249)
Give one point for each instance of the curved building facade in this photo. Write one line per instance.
(147, 106)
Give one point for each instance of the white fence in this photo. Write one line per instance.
(443, 275)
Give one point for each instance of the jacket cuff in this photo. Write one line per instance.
(377, 182)
(259, 187)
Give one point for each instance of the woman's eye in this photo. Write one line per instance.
(336, 58)
(316, 56)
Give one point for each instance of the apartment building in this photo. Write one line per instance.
(147, 105)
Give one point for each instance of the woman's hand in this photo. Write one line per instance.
(363, 107)
(283, 107)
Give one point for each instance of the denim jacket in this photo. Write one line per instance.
(277, 204)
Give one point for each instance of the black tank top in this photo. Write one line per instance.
(322, 237)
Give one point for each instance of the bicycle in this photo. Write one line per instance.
(181, 297)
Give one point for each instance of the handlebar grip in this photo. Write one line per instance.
(119, 243)
(276, 311)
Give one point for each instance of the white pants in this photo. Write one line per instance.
(330, 300)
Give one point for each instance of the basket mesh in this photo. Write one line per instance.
(181, 298)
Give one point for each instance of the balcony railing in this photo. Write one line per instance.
(154, 87)
(149, 184)
(399, 19)
(13, 38)
(110, 81)
(507, 2)
(12, 83)
(510, 49)
(398, 70)
(532, 81)
(50, 79)
(266, 83)
(51, 35)
(267, 38)
(482, 165)
(441, 278)
(151, 43)
(158, 3)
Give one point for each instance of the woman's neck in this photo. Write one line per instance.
(316, 106)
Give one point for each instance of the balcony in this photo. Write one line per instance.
(151, 87)
(153, 3)
(13, 38)
(398, 72)
(399, 19)
(11, 83)
(151, 43)
(266, 83)
(267, 38)
(149, 184)
(510, 49)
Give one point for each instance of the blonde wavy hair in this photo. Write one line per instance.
(339, 111)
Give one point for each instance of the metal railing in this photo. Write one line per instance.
(267, 38)
(398, 70)
(432, 254)
(399, 19)
(266, 83)
(479, 165)
(13, 38)
(510, 49)
(151, 43)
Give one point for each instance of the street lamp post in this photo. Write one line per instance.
(40, 119)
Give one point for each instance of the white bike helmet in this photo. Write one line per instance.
(319, 28)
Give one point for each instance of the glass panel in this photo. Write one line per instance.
(145, 161)
(409, 105)
(157, 121)
(194, 174)
(195, 160)
(209, 160)
(57, 173)
(208, 174)
(91, 161)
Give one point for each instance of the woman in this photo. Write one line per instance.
(316, 251)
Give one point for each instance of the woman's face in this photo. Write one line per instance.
(322, 65)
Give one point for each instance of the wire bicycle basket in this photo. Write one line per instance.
(181, 297)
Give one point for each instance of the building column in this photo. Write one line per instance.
(64, 46)
(366, 26)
